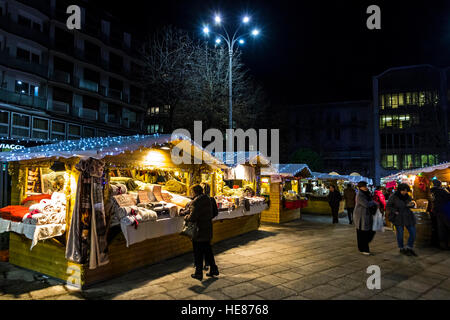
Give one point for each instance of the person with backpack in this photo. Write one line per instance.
(399, 213)
(350, 198)
(334, 200)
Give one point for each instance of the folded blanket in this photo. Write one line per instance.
(157, 192)
(36, 198)
(147, 215)
(14, 213)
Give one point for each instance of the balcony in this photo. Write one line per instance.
(9, 25)
(89, 114)
(88, 85)
(60, 107)
(61, 76)
(112, 118)
(23, 99)
(114, 94)
(23, 65)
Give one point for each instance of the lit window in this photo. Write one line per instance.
(382, 101)
(408, 98)
(422, 99)
(401, 102)
(407, 161)
(394, 101)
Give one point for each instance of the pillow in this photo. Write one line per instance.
(157, 193)
(125, 200)
(143, 197)
(166, 197)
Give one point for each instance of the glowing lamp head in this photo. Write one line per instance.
(246, 19)
(241, 41)
(218, 41)
(255, 32)
(217, 19)
(205, 30)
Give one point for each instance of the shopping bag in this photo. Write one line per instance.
(378, 222)
(189, 229)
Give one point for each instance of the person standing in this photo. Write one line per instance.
(201, 213)
(365, 209)
(350, 198)
(440, 200)
(334, 199)
(399, 212)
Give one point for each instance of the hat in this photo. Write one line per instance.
(436, 183)
(362, 184)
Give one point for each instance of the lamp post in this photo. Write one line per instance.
(231, 42)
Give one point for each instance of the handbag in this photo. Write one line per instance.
(189, 229)
(378, 222)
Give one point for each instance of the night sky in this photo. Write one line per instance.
(314, 51)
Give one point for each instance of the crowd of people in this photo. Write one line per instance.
(363, 202)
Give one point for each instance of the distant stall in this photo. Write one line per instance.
(282, 185)
(316, 190)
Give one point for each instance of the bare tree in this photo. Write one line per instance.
(192, 77)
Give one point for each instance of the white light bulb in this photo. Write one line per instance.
(255, 32)
(218, 40)
(246, 19)
(217, 19)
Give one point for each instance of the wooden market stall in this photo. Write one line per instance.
(316, 190)
(281, 183)
(420, 181)
(86, 210)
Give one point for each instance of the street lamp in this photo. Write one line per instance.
(231, 41)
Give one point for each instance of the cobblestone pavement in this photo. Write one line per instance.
(300, 260)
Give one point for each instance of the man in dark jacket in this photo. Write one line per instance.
(440, 198)
(334, 199)
(201, 213)
(350, 198)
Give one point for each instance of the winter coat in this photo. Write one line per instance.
(350, 197)
(363, 212)
(405, 216)
(440, 197)
(334, 198)
(201, 213)
(379, 198)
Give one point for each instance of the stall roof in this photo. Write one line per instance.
(242, 157)
(354, 179)
(101, 147)
(289, 169)
(430, 169)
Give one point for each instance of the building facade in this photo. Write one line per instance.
(58, 84)
(410, 118)
(341, 133)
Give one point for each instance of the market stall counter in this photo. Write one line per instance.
(89, 210)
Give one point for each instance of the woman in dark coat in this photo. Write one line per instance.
(334, 199)
(350, 198)
(399, 212)
(201, 212)
(365, 209)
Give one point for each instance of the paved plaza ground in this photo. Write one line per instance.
(300, 260)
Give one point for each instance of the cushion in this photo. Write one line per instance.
(125, 200)
(143, 197)
(157, 193)
(166, 197)
(14, 213)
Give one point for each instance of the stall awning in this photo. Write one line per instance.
(354, 179)
(411, 172)
(243, 157)
(290, 169)
(102, 147)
